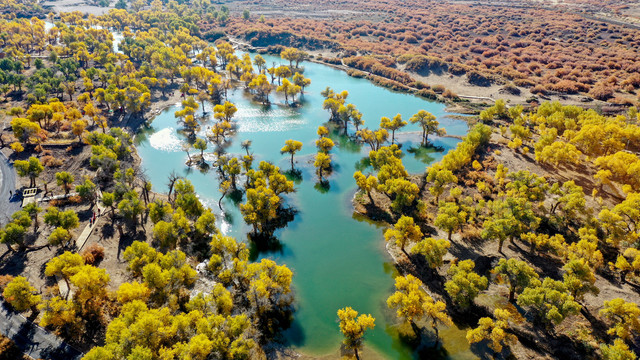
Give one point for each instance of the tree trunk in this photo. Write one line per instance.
(291, 161)
(405, 252)
(220, 201)
(356, 352)
(68, 288)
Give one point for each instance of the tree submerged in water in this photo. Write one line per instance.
(353, 328)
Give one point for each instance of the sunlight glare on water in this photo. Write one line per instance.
(257, 120)
(165, 140)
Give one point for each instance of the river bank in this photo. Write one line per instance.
(338, 260)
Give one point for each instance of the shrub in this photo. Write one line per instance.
(524, 82)
(539, 89)
(50, 161)
(601, 92)
(93, 254)
(449, 94)
(457, 69)
(422, 63)
(438, 89)
(427, 94)
(478, 79)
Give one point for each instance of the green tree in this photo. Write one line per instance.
(516, 274)
(549, 300)
(353, 327)
(13, 233)
(393, 125)
(21, 295)
(322, 164)
(109, 200)
(233, 169)
(408, 299)
(402, 191)
(405, 231)
(428, 123)
(31, 168)
(166, 233)
(186, 198)
(432, 250)
(130, 207)
(301, 81)
(65, 219)
(261, 207)
(624, 318)
(291, 147)
(65, 180)
(33, 210)
(200, 144)
(59, 236)
(435, 312)
(618, 351)
(450, 217)
(493, 331)
(465, 284)
(510, 218)
(366, 184)
(440, 178)
(579, 278)
(87, 190)
(570, 200)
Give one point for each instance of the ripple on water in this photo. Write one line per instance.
(257, 120)
(165, 140)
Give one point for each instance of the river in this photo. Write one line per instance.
(338, 259)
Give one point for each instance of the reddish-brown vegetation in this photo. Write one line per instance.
(554, 49)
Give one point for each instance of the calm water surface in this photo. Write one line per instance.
(337, 258)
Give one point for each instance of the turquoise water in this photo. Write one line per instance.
(338, 259)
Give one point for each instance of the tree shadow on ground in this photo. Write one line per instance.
(13, 263)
